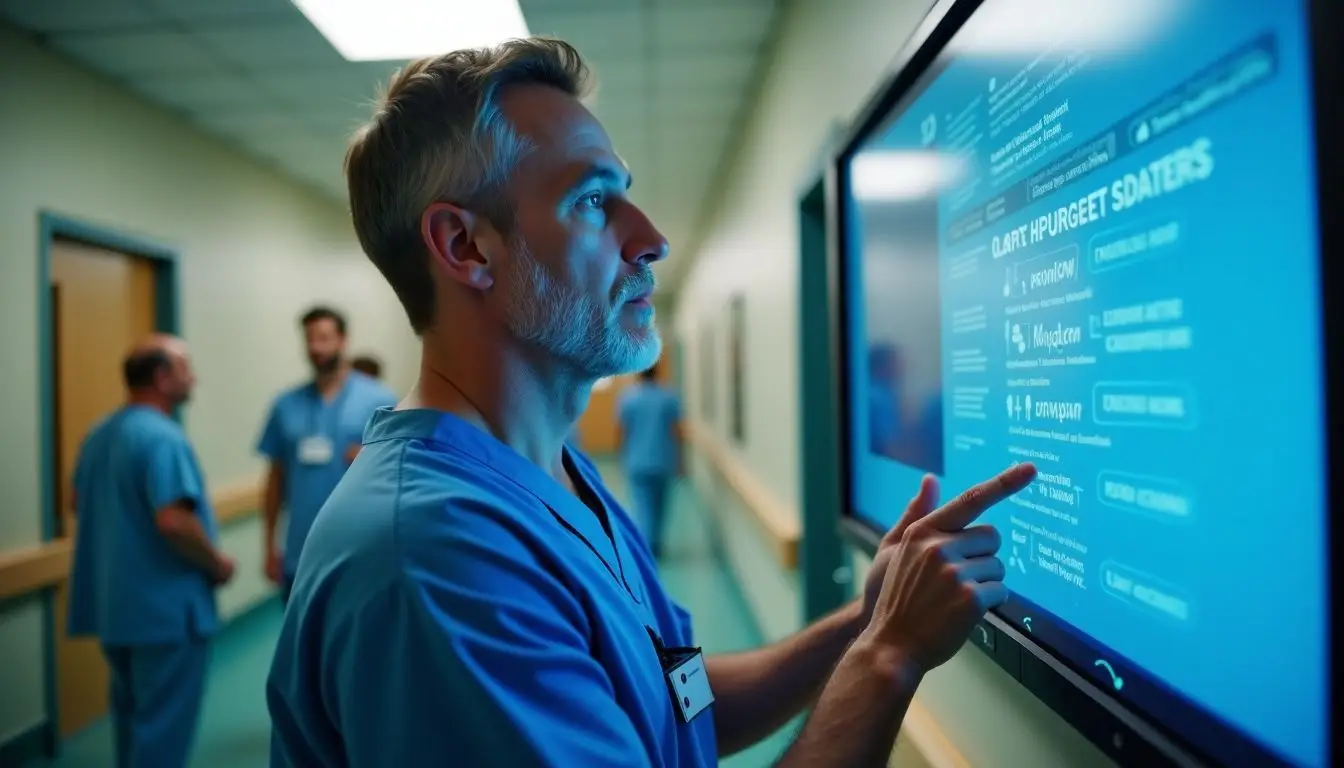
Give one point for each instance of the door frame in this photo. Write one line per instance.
(167, 319)
(825, 563)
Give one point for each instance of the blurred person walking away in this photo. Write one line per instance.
(312, 434)
(649, 415)
(147, 561)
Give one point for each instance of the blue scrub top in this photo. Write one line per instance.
(128, 586)
(649, 415)
(456, 605)
(301, 414)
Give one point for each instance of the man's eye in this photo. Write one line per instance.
(592, 200)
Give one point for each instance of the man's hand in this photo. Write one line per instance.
(223, 571)
(274, 570)
(942, 575)
(919, 507)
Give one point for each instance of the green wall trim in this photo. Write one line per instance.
(821, 552)
(52, 226)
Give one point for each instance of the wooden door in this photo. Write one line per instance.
(102, 304)
(598, 434)
(599, 428)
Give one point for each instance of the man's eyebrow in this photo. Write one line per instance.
(606, 174)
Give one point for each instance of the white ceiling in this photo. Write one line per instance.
(674, 78)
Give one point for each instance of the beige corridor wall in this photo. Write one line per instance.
(255, 250)
(828, 59)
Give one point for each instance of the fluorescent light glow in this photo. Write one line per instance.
(1033, 27)
(392, 30)
(893, 176)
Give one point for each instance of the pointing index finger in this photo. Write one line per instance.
(963, 510)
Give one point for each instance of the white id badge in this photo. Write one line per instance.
(315, 450)
(690, 685)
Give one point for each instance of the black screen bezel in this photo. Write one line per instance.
(1127, 735)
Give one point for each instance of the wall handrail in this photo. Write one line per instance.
(777, 520)
(33, 568)
(783, 526)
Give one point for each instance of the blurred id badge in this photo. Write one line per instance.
(688, 681)
(315, 450)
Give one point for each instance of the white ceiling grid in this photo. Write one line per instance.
(674, 76)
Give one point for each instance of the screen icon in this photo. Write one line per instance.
(1026, 622)
(1117, 681)
(928, 130)
(984, 636)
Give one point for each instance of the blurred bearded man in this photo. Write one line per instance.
(312, 434)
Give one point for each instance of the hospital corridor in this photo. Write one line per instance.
(671, 383)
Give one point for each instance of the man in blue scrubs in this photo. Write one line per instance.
(472, 594)
(312, 434)
(650, 423)
(146, 562)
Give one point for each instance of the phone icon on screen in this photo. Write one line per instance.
(1117, 681)
(1026, 622)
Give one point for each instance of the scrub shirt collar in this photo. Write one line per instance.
(449, 434)
(346, 385)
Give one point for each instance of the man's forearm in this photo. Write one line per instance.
(187, 537)
(859, 714)
(270, 509)
(757, 692)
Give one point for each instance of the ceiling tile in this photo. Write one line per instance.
(531, 7)
(731, 67)
(279, 44)
(629, 78)
(337, 88)
(75, 15)
(230, 11)
(199, 94)
(599, 33)
(129, 54)
(730, 26)
(681, 85)
(671, 108)
(672, 77)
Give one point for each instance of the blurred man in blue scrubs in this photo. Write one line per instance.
(312, 434)
(471, 593)
(146, 562)
(650, 423)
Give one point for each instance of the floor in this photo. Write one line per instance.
(235, 728)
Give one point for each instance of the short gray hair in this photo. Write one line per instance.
(438, 135)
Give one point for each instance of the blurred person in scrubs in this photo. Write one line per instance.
(368, 365)
(472, 594)
(146, 560)
(312, 434)
(650, 423)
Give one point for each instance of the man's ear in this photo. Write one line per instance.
(452, 236)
